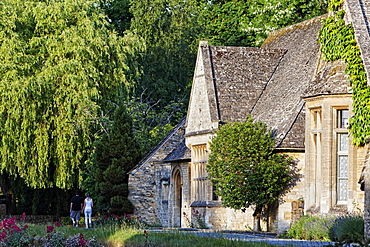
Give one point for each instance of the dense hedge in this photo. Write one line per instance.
(341, 229)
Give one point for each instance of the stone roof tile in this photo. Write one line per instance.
(281, 101)
(331, 79)
(181, 152)
(240, 75)
(295, 136)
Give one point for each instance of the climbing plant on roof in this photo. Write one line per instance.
(338, 42)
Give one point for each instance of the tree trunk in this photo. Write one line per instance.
(7, 191)
(257, 219)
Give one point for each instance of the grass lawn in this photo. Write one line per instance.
(112, 236)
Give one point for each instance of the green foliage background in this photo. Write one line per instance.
(65, 65)
(248, 23)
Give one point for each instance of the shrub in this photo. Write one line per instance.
(311, 227)
(348, 229)
(13, 233)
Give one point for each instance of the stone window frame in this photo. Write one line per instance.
(316, 136)
(337, 131)
(199, 174)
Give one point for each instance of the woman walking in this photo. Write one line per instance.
(87, 209)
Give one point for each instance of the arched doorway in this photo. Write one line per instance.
(177, 202)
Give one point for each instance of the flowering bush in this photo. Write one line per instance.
(12, 234)
(197, 217)
(190, 224)
(311, 227)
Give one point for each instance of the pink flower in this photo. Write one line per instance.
(15, 228)
(23, 216)
(82, 241)
(49, 229)
(56, 223)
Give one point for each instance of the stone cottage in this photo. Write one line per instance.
(285, 84)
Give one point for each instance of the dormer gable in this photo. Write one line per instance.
(202, 112)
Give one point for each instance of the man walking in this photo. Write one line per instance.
(76, 208)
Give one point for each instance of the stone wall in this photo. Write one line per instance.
(144, 182)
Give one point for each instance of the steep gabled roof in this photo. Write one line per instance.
(181, 152)
(227, 83)
(240, 74)
(281, 102)
(332, 79)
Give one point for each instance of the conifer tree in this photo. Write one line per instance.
(116, 153)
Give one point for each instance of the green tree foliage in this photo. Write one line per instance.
(245, 170)
(151, 125)
(60, 69)
(118, 12)
(169, 29)
(248, 23)
(116, 153)
(222, 23)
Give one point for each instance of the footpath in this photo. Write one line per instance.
(250, 237)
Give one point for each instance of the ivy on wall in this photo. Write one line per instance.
(338, 43)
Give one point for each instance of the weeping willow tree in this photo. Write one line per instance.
(60, 69)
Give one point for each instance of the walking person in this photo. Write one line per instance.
(87, 208)
(76, 208)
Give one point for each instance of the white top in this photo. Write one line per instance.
(88, 203)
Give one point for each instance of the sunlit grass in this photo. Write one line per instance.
(100, 234)
(136, 238)
(114, 236)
